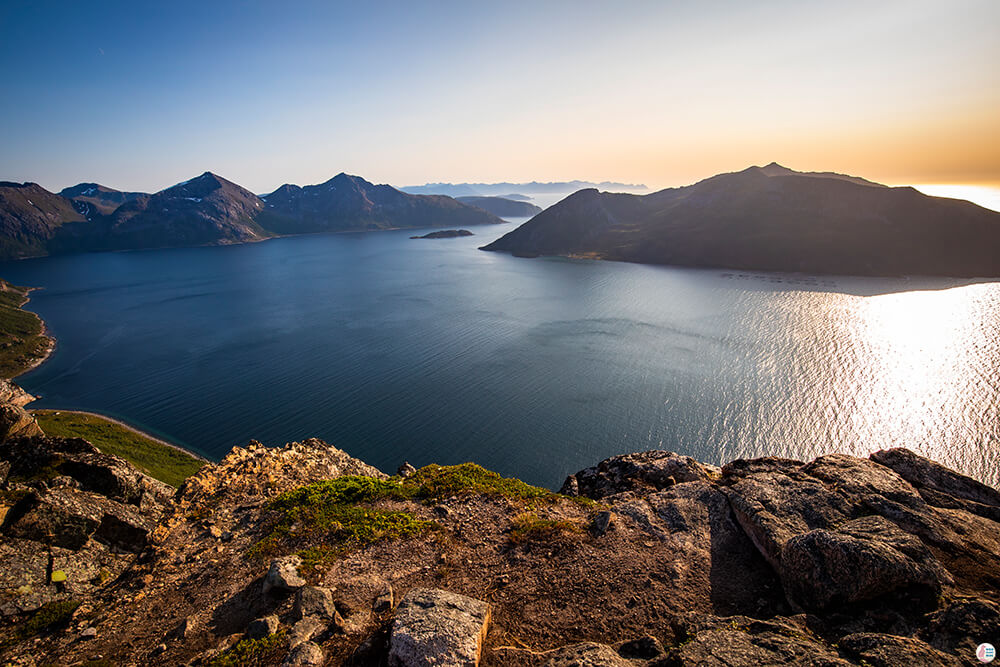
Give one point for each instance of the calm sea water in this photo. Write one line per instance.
(432, 351)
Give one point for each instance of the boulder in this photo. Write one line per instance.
(641, 472)
(11, 392)
(586, 654)
(881, 650)
(435, 627)
(962, 625)
(16, 422)
(262, 627)
(64, 518)
(304, 630)
(860, 560)
(306, 653)
(738, 641)
(283, 576)
(314, 601)
(938, 483)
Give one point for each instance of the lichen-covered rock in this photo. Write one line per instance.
(262, 472)
(435, 627)
(34, 461)
(283, 576)
(643, 471)
(858, 561)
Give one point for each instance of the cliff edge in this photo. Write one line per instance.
(305, 555)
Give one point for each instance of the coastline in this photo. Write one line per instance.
(49, 349)
(128, 427)
(46, 334)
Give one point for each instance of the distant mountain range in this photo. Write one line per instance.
(208, 210)
(504, 189)
(772, 219)
(505, 208)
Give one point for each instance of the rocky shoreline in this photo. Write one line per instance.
(305, 555)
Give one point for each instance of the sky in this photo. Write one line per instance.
(142, 95)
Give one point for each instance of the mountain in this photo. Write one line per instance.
(207, 210)
(505, 208)
(93, 199)
(772, 219)
(350, 203)
(534, 187)
(30, 216)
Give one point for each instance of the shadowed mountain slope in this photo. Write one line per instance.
(772, 219)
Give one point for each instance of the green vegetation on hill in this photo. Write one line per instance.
(165, 463)
(22, 341)
(334, 516)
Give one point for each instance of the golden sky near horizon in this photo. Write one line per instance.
(661, 92)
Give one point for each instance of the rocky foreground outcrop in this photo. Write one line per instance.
(303, 555)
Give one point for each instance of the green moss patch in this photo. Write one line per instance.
(250, 652)
(165, 463)
(51, 615)
(335, 516)
(530, 527)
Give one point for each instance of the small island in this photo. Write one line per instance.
(445, 234)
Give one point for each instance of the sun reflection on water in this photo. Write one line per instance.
(919, 365)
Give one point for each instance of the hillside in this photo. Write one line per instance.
(30, 215)
(350, 203)
(772, 219)
(94, 199)
(505, 208)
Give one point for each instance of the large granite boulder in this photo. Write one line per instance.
(858, 561)
(435, 627)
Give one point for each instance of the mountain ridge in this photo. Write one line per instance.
(771, 219)
(209, 210)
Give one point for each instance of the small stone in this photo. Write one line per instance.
(306, 653)
(215, 531)
(384, 601)
(89, 633)
(405, 470)
(262, 627)
(283, 575)
(303, 631)
(600, 524)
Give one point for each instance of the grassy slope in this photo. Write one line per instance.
(22, 341)
(165, 463)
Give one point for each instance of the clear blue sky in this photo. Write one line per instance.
(140, 95)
